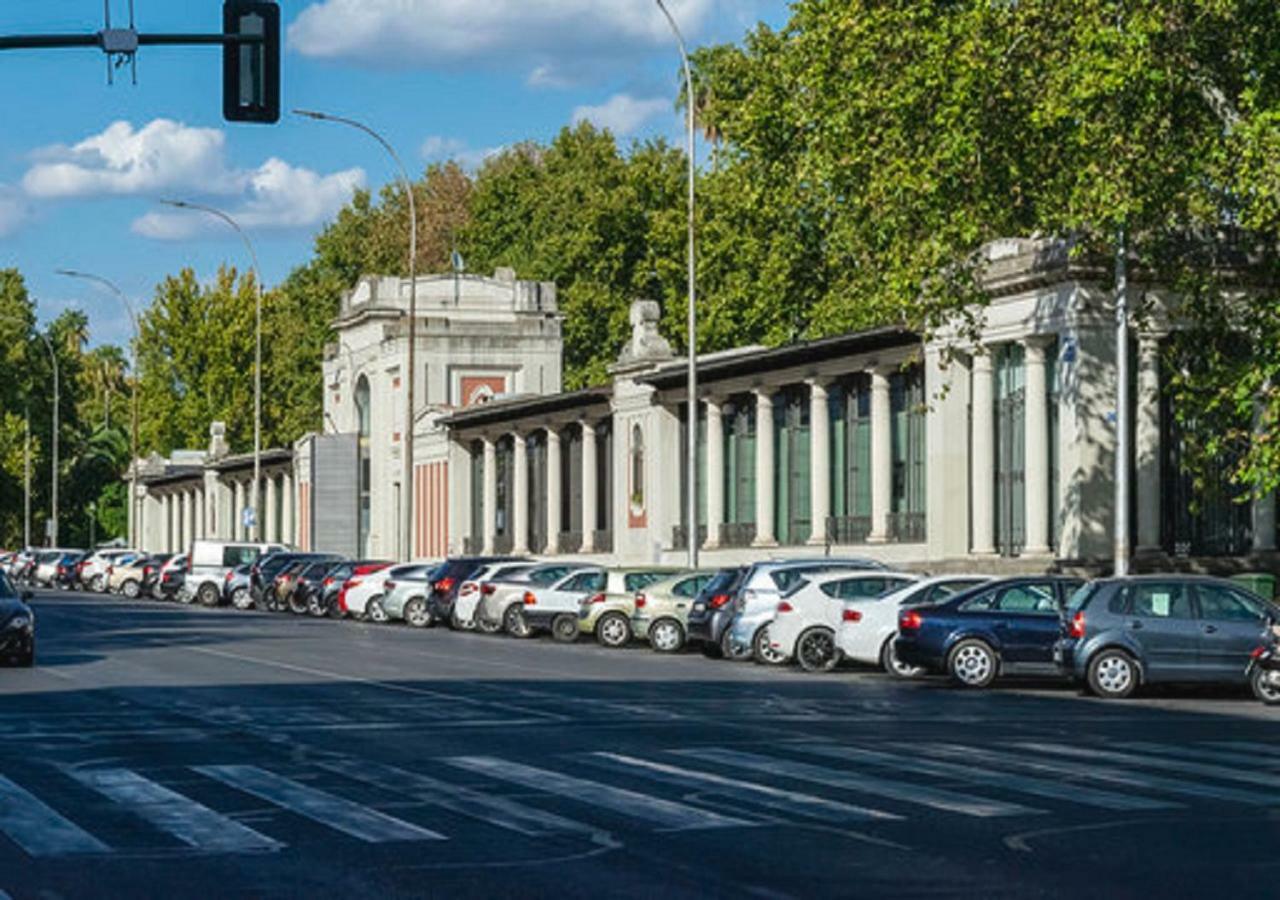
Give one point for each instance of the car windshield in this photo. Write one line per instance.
(1080, 597)
(721, 583)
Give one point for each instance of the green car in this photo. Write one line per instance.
(607, 613)
(662, 608)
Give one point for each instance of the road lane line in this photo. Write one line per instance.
(1156, 762)
(190, 822)
(497, 811)
(38, 829)
(664, 814)
(1094, 771)
(906, 792)
(329, 810)
(1022, 784)
(773, 798)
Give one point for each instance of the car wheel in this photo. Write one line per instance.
(894, 666)
(297, 605)
(99, 583)
(375, 612)
(613, 630)
(416, 613)
(459, 624)
(973, 664)
(129, 589)
(487, 627)
(1113, 674)
(335, 611)
(731, 651)
(565, 628)
(209, 595)
(514, 623)
(315, 607)
(762, 650)
(241, 599)
(816, 650)
(666, 636)
(1266, 685)
(712, 651)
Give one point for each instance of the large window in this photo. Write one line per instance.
(477, 495)
(740, 463)
(1011, 446)
(504, 459)
(907, 412)
(702, 471)
(536, 479)
(850, 408)
(792, 507)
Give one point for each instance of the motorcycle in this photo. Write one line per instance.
(1263, 671)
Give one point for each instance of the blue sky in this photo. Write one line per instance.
(82, 164)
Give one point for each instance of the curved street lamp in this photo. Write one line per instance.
(406, 438)
(53, 358)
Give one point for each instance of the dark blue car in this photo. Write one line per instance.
(1005, 627)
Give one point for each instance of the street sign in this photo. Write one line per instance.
(249, 517)
(251, 71)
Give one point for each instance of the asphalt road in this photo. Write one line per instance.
(166, 751)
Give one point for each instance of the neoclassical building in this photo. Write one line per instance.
(990, 447)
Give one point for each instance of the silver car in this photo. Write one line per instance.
(507, 597)
(405, 596)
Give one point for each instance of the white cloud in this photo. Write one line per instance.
(437, 148)
(551, 38)
(161, 155)
(278, 196)
(14, 210)
(623, 114)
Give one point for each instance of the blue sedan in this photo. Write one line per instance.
(1005, 627)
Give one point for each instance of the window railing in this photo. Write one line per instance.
(472, 546)
(848, 529)
(680, 536)
(503, 543)
(603, 541)
(737, 534)
(908, 528)
(570, 541)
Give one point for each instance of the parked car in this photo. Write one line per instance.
(151, 574)
(405, 597)
(47, 563)
(607, 613)
(662, 608)
(235, 587)
(740, 629)
(17, 626)
(555, 606)
(173, 575)
(809, 614)
(93, 570)
(1005, 627)
(868, 626)
(478, 585)
(358, 594)
(210, 561)
(127, 566)
(309, 587)
(1121, 633)
(448, 582)
(66, 575)
(500, 608)
(262, 576)
(333, 588)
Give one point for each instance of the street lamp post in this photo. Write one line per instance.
(256, 529)
(1124, 415)
(406, 437)
(691, 461)
(135, 533)
(53, 491)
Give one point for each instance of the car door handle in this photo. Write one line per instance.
(1135, 624)
(1211, 629)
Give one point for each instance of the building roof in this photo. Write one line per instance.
(507, 409)
(274, 456)
(173, 475)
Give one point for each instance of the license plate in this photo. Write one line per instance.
(699, 607)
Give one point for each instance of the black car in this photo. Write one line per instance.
(149, 587)
(712, 609)
(449, 578)
(264, 576)
(17, 626)
(308, 583)
(67, 574)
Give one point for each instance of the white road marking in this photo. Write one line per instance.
(498, 811)
(338, 813)
(906, 792)
(38, 829)
(1094, 771)
(1157, 762)
(764, 795)
(1204, 755)
(190, 822)
(1022, 784)
(653, 810)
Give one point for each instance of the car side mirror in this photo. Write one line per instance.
(27, 596)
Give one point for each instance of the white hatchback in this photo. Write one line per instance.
(806, 620)
(869, 626)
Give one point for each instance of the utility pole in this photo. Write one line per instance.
(26, 479)
(1123, 413)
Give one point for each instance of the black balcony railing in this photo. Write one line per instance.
(502, 544)
(907, 528)
(737, 534)
(680, 536)
(570, 541)
(848, 529)
(473, 546)
(603, 541)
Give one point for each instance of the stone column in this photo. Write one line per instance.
(983, 470)
(1147, 444)
(590, 489)
(881, 456)
(237, 504)
(715, 473)
(490, 526)
(819, 462)
(764, 469)
(166, 519)
(1036, 464)
(184, 531)
(192, 497)
(272, 520)
(553, 492)
(201, 522)
(520, 502)
(288, 532)
(135, 538)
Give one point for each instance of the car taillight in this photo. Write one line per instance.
(718, 601)
(530, 599)
(228, 576)
(641, 600)
(352, 582)
(328, 582)
(110, 569)
(1076, 628)
(146, 571)
(468, 588)
(910, 621)
(388, 585)
(596, 598)
(851, 615)
(785, 607)
(487, 588)
(445, 585)
(1257, 651)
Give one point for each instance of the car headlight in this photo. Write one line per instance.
(22, 620)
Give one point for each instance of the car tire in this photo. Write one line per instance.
(613, 630)
(666, 636)
(762, 651)
(416, 613)
(99, 584)
(712, 651)
(486, 627)
(375, 612)
(129, 590)
(209, 595)
(336, 612)
(816, 650)
(890, 663)
(1263, 688)
(297, 605)
(459, 624)
(729, 651)
(514, 623)
(564, 628)
(242, 600)
(1113, 674)
(973, 663)
(315, 608)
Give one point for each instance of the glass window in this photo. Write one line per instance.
(984, 602)
(856, 588)
(907, 439)
(584, 581)
(1080, 598)
(637, 469)
(942, 591)
(1222, 604)
(548, 575)
(1029, 598)
(690, 587)
(1159, 601)
(786, 579)
(637, 580)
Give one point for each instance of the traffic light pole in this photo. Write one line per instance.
(107, 41)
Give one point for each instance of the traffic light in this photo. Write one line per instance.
(251, 71)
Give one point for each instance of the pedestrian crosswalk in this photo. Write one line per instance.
(473, 800)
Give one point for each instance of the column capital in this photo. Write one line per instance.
(1036, 348)
(982, 360)
(819, 383)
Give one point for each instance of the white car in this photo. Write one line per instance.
(806, 619)
(556, 606)
(477, 587)
(869, 626)
(372, 597)
(93, 574)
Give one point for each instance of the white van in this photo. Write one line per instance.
(209, 562)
